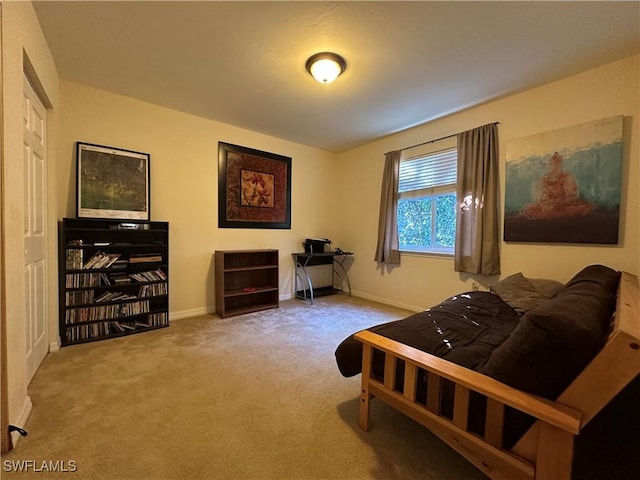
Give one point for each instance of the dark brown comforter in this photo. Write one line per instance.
(463, 329)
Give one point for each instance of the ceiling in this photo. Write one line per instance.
(243, 63)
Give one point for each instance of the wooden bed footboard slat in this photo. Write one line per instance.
(486, 454)
(390, 365)
(555, 456)
(482, 455)
(461, 406)
(434, 391)
(410, 381)
(365, 395)
(545, 410)
(494, 423)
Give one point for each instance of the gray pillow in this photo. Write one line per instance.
(518, 292)
(548, 288)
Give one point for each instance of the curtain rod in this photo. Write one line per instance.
(438, 139)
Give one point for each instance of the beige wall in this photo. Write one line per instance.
(22, 38)
(343, 207)
(184, 185)
(422, 281)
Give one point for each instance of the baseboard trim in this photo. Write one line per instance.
(194, 312)
(211, 310)
(54, 346)
(21, 421)
(386, 301)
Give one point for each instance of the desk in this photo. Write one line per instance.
(339, 275)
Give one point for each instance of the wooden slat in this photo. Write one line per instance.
(410, 381)
(461, 407)
(365, 395)
(494, 423)
(555, 454)
(483, 456)
(434, 387)
(390, 364)
(628, 307)
(550, 412)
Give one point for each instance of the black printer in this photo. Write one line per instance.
(316, 245)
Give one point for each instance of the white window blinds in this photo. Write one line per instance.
(428, 174)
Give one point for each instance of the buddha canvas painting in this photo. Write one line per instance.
(564, 186)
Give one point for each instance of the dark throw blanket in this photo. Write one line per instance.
(463, 329)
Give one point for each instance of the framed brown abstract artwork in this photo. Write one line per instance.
(112, 183)
(254, 188)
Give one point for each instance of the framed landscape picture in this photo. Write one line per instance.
(112, 183)
(254, 188)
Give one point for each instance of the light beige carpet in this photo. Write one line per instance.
(252, 397)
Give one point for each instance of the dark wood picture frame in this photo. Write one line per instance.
(254, 188)
(112, 183)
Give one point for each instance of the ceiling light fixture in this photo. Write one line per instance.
(325, 67)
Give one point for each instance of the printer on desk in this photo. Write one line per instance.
(316, 245)
(318, 252)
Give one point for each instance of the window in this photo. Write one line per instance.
(427, 202)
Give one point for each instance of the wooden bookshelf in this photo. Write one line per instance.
(113, 278)
(246, 281)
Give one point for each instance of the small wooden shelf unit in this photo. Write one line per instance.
(246, 281)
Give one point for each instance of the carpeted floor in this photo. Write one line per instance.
(252, 397)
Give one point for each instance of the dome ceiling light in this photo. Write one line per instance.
(325, 67)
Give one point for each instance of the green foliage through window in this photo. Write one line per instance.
(427, 223)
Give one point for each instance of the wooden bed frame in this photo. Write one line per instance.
(545, 451)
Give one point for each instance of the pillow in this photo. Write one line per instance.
(554, 341)
(548, 288)
(605, 277)
(539, 361)
(518, 292)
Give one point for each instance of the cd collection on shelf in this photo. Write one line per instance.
(113, 278)
(103, 279)
(100, 259)
(153, 290)
(79, 297)
(106, 312)
(90, 331)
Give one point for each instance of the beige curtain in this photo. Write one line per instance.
(477, 242)
(388, 251)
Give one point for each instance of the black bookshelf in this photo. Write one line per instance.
(113, 278)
